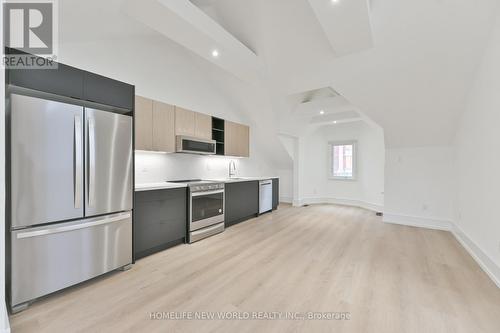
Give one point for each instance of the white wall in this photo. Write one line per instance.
(419, 186)
(4, 320)
(478, 160)
(286, 185)
(287, 176)
(155, 167)
(314, 183)
(164, 71)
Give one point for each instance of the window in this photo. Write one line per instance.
(342, 160)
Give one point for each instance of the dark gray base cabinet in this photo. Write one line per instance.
(160, 220)
(242, 201)
(276, 193)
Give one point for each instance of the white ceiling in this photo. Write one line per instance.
(346, 24)
(413, 81)
(91, 20)
(187, 25)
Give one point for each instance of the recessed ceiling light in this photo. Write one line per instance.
(334, 121)
(335, 1)
(215, 53)
(322, 112)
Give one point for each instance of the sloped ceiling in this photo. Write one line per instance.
(346, 24)
(110, 23)
(412, 82)
(185, 24)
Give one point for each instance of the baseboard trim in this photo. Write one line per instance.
(287, 200)
(339, 201)
(483, 260)
(416, 221)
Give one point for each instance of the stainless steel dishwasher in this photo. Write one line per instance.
(265, 196)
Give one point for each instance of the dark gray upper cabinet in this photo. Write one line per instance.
(160, 220)
(65, 80)
(276, 193)
(103, 90)
(242, 201)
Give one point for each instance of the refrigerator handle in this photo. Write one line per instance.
(86, 224)
(91, 166)
(77, 159)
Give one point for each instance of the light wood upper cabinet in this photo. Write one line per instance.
(163, 127)
(143, 123)
(157, 124)
(184, 122)
(230, 147)
(244, 141)
(154, 125)
(193, 124)
(203, 126)
(236, 139)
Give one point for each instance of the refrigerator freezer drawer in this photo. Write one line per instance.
(47, 259)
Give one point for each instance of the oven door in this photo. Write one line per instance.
(207, 208)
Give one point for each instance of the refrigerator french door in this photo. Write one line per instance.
(108, 161)
(71, 195)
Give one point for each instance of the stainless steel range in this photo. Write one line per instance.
(206, 208)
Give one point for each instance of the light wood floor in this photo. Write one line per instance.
(319, 258)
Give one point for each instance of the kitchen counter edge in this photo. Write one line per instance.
(243, 179)
(167, 185)
(158, 186)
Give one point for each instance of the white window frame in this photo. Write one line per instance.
(354, 144)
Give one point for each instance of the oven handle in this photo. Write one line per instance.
(199, 194)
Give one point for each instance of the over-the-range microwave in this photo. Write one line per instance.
(191, 145)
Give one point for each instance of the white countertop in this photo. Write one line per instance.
(157, 186)
(168, 185)
(242, 179)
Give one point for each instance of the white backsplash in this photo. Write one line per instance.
(159, 167)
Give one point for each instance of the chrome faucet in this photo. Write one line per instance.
(232, 169)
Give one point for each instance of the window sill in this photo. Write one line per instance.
(343, 179)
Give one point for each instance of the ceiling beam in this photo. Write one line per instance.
(187, 25)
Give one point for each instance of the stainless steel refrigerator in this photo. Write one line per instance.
(70, 195)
